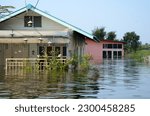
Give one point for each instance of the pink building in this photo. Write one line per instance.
(105, 49)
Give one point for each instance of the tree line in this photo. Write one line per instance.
(131, 39)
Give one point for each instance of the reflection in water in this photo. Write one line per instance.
(67, 85)
(132, 74)
(111, 79)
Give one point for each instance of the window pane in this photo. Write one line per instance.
(120, 46)
(115, 54)
(109, 54)
(104, 54)
(64, 51)
(105, 45)
(115, 46)
(57, 51)
(49, 51)
(26, 21)
(37, 21)
(41, 50)
(109, 45)
(119, 54)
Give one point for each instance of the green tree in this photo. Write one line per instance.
(132, 41)
(100, 33)
(5, 10)
(111, 35)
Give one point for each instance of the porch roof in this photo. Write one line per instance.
(57, 40)
(28, 33)
(30, 7)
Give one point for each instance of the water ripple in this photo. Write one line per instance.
(112, 79)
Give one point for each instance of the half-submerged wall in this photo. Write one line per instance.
(94, 49)
(105, 49)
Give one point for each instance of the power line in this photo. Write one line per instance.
(25, 3)
(37, 3)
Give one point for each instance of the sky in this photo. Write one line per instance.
(120, 16)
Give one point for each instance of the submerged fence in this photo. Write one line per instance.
(22, 65)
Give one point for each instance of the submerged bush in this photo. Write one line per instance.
(84, 65)
(55, 63)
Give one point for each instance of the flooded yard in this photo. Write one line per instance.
(118, 79)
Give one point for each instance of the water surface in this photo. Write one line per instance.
(118, 79)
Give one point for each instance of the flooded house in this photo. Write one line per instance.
(104, 49)
(31, 33)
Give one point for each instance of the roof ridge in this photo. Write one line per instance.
(29, 6)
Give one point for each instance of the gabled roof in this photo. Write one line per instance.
(32, 8)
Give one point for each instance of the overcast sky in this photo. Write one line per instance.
(120, 16)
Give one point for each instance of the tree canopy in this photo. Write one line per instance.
(130, 38)
(5, 9)
(111, 35)
(100, 33)
(132, 41)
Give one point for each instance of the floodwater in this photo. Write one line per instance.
(118, 79)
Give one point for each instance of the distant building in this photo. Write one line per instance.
(105, 49)
(30, 32)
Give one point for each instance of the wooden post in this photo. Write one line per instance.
(6, 66)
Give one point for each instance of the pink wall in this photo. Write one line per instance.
(96, 49)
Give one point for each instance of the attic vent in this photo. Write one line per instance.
(32, 21)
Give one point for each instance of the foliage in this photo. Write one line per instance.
(85, 62)
(132, 42)
(5, 9)
(100, 33)
(74, 62)
(111, 35)
(55, 62)
(27, 67)
(146, 46)
(140, 55)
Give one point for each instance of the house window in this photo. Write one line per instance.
(109, 46)
(119, 54)
(104, 54)
(27, 20)
(41, 50)
(64, 51)
(32, 21)
(120, 46)
(57, 51)
(115, 54)
(107, 54)
(37, 21)
(105, 45)
(49, 51)
(112, 46)
(115, 46)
